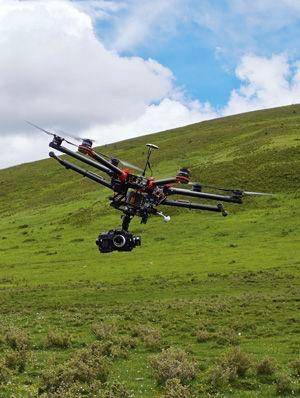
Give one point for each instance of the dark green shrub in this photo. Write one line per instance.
(266, 367)
(284, 384)
(116, 390)
(86, 366)
(56, 339)
(174, 389)
(203, 336)
(236, 360)
(295, 365)
(227, 337)
(5, 373)
(17, 339)
(103, 331)
(173, 363)
(230, 366)
(17, 360)
(149, 335)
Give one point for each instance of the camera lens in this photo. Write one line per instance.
(119, 240)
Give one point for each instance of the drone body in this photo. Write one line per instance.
(136, 194)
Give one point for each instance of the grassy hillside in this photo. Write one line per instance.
(202, 283)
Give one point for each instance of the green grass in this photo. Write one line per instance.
(239, 273)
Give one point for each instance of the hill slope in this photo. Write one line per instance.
(233, 280)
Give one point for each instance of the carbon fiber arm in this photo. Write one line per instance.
(203, 195)
(79, 170)
(82, 158)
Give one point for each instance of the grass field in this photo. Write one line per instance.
(224, 290)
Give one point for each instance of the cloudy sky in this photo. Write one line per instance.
(113, 69)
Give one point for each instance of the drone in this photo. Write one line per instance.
(135, 194)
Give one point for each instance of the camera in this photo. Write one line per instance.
(117, 240)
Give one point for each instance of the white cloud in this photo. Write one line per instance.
(166, 115)
(53, 69)
(146, 22)
(236, 27)
(266, 83)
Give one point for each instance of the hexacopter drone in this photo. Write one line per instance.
(136, 194)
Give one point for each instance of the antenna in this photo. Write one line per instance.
(150, 148)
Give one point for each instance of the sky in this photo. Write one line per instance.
(115, 69)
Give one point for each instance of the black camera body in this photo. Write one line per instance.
(117, 240)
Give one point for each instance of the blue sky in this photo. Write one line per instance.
(202, 41)
(116, 69)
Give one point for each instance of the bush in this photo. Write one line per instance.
(4, 373)
(220, 377)
(231, 365)
(103, 331)
(149, 335)
(86, 366)
(295, 365)
(116, 390)
(55, 339)
(203, 335)
(236, 360)
(17, 360)
(114, 349)
(227, 336)
(174, 389)
(266, 367)
(17, 339)
(173, 364)
(283, 384)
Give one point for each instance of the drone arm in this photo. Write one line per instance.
(82, 158)
(204, 195)
(79, 170)
(106, 163)
(190, 205)
(170, 180)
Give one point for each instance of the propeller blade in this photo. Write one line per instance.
(130, 165)
(211, 186)
(76, 138)
(232, 190)
(257, 193)
(40, 128)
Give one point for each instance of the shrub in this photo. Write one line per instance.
(86, 366)
(231, 365)
(236, 360)
(283, 384)
(55, 339)
(116, 390)
(266, 367)
(174, 389)
(17, 339)
(4, 373)
(227, 336)
(220, 377)
(149, 335)
(113, 349)
(173, 363)
(203, 335)
(17, 360)
(295, 365)
(103, 331)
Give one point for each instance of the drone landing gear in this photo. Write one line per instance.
(118, 239)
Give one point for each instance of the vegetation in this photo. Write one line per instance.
(206, 306)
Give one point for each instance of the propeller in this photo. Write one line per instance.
(49, 133)
(76, 138)
(123, 162)
(258, 193)
(198, 186)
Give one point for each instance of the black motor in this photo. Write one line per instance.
(117, 240)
